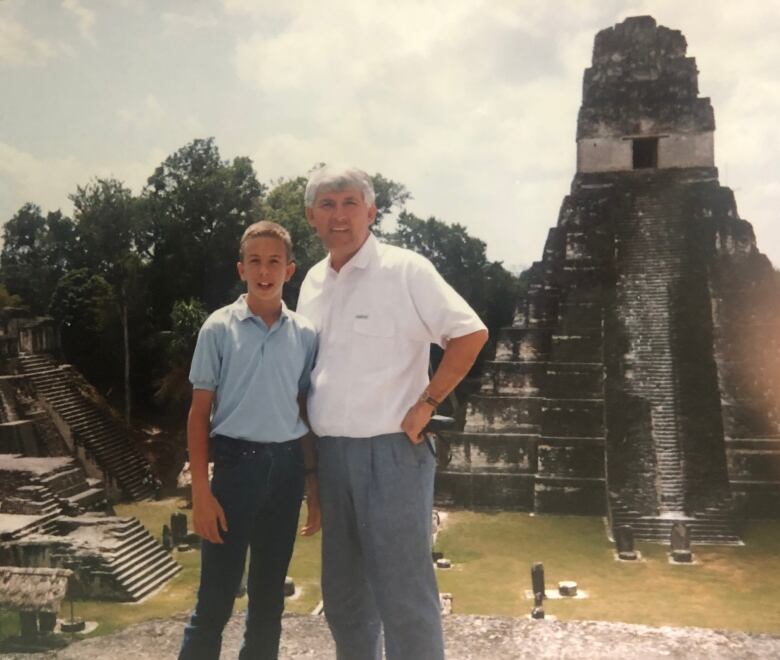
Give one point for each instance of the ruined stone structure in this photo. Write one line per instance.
(640, 376)
(48, 409)
(63, 455)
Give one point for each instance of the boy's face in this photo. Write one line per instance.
(264, 268)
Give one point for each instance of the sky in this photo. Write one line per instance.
(471, 104)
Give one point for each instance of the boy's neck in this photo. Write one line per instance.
(268, 310)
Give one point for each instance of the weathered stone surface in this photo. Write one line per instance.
(567, 588)
(466, 638)
(647, 346)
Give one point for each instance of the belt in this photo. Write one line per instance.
(240, 447)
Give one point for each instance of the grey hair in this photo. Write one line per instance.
(327, 179)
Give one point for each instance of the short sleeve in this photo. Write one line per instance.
(207, 358)
(443, 310)
(312, 344)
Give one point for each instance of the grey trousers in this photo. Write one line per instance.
(377, 495)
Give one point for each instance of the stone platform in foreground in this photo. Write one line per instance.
(467, 638)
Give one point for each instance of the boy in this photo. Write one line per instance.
(251, 366)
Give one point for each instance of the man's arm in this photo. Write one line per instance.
(314, 516)
(459, 356)
(207, 514)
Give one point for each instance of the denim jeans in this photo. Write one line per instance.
(260, 488)
(376, 496)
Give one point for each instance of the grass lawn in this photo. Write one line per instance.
(731, 587)
(492, 553)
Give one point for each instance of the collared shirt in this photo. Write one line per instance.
(255, 372)
(377, 318)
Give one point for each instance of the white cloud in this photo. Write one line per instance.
(19, 47)
(47, 182)
(457, 101)
(149, 113)
(181, 23)
(470, 103)
(85, 18)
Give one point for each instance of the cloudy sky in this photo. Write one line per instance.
(471, 104)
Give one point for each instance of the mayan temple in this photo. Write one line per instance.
(640, 376)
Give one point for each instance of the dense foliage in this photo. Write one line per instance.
(130, 278)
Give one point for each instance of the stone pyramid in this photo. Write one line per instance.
(641, 376)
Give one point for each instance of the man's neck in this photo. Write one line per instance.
(268, 310)
(338, 261)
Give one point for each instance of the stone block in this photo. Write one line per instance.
(570, 496)
(513, 492)
(579, 347)
(574, 460)
(502, 414)
(572, 418)
(569, 381)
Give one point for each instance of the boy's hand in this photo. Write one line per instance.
(207, 516)
(314, 514)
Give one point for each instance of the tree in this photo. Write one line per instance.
(186, 319)
(84, 306)
(389, 195)
(107, 222)
(461, 259)
(285, 205)
(195, 209)
(8, 299)
(37, 252)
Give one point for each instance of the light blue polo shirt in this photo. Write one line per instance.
(255, 372)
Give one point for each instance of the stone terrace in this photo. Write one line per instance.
(467, 638)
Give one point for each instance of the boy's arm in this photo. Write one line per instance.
(314, 516)
(207, 514)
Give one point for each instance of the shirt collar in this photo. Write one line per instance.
(362, 258)
(242, 311)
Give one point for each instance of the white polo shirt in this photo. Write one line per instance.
(376, 319)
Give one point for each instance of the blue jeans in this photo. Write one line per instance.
(377, 496)
(260, 487)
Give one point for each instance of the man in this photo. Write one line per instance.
(377, 309)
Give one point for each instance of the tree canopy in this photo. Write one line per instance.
(131, 277)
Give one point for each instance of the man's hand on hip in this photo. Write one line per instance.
(417, 417)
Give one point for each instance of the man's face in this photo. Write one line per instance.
(341, 219)
(264, 268)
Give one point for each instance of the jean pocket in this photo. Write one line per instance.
(408, 453)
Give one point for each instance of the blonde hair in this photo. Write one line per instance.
(268, 229)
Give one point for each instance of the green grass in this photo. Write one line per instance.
(492, 553)
(178, 595)
(731, 587)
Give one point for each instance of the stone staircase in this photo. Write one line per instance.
(48, 486)
(713, 526)
(650, 246)
(124, 560)
(652, 266)
(104, 439)
(74, 491)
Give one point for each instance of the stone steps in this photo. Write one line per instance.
(141, 565)
(103, 437)
(651, 250)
